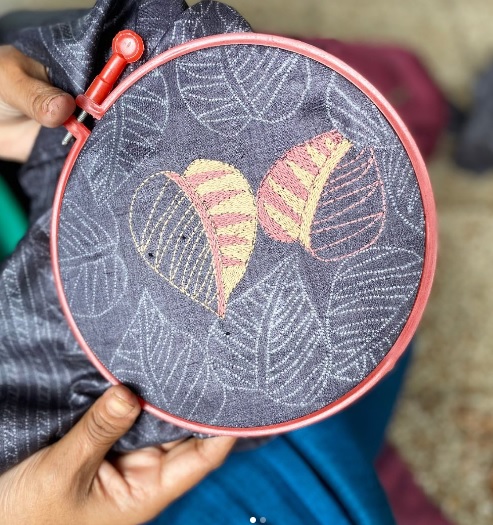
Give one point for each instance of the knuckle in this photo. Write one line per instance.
(209, 460)
(100, 428)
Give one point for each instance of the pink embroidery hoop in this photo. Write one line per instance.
(81, 134)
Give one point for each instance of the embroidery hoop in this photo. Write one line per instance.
(81, 134)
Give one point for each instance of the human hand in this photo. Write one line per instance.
(72, 482)
(27, 102)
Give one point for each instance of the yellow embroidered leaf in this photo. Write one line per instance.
(198, 230)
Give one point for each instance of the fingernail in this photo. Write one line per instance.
(54, 106)
(119, 407)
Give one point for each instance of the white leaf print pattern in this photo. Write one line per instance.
(32, 375)
(46, 380)
(94, 276)
(370, 300)
(166, 365)
(355, 115)
(403, 189)
(227, 87)
(208, 18)
(126, 136)
(272, 340)
(70, 45)
(152, 14)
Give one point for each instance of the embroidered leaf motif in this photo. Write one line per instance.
(197, 230)
(355, 116)
(351, 212)
(325, 194)
(227, 87)
(403, 189)
(126, 136)
(94, 276)
(163, 363)
(272, 340)
(370, 300)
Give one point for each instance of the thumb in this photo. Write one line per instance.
(25, 87)
(42, 102)
(87, 444)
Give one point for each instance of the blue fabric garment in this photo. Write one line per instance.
(322, 474)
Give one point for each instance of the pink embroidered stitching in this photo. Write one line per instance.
(293, 194)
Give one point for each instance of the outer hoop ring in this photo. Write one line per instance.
(430, 254)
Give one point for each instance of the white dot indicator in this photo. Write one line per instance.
(253, 519)
(263, 520)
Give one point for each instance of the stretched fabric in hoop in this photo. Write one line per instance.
(140, 206)
(233, 240)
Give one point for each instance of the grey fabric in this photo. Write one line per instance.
(299, 329)
(46, 381)
(12, 23)
(474, 148)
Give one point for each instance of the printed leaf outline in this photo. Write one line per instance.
(149, 15)
(355, 115)
(29, 354)
(69, 47)
(370, 300)
(81, 237)
(94, 276)
(325, 194)
(272, 340)
(227, 87)
(403, 189)
(205, 19)
(198, 230)
(166, 365)
(126, 136)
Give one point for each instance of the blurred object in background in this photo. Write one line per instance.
(408, 501)
(475, 142)
(13, 209)
(7, 6)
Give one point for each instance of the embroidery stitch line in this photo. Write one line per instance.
(220, 206)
